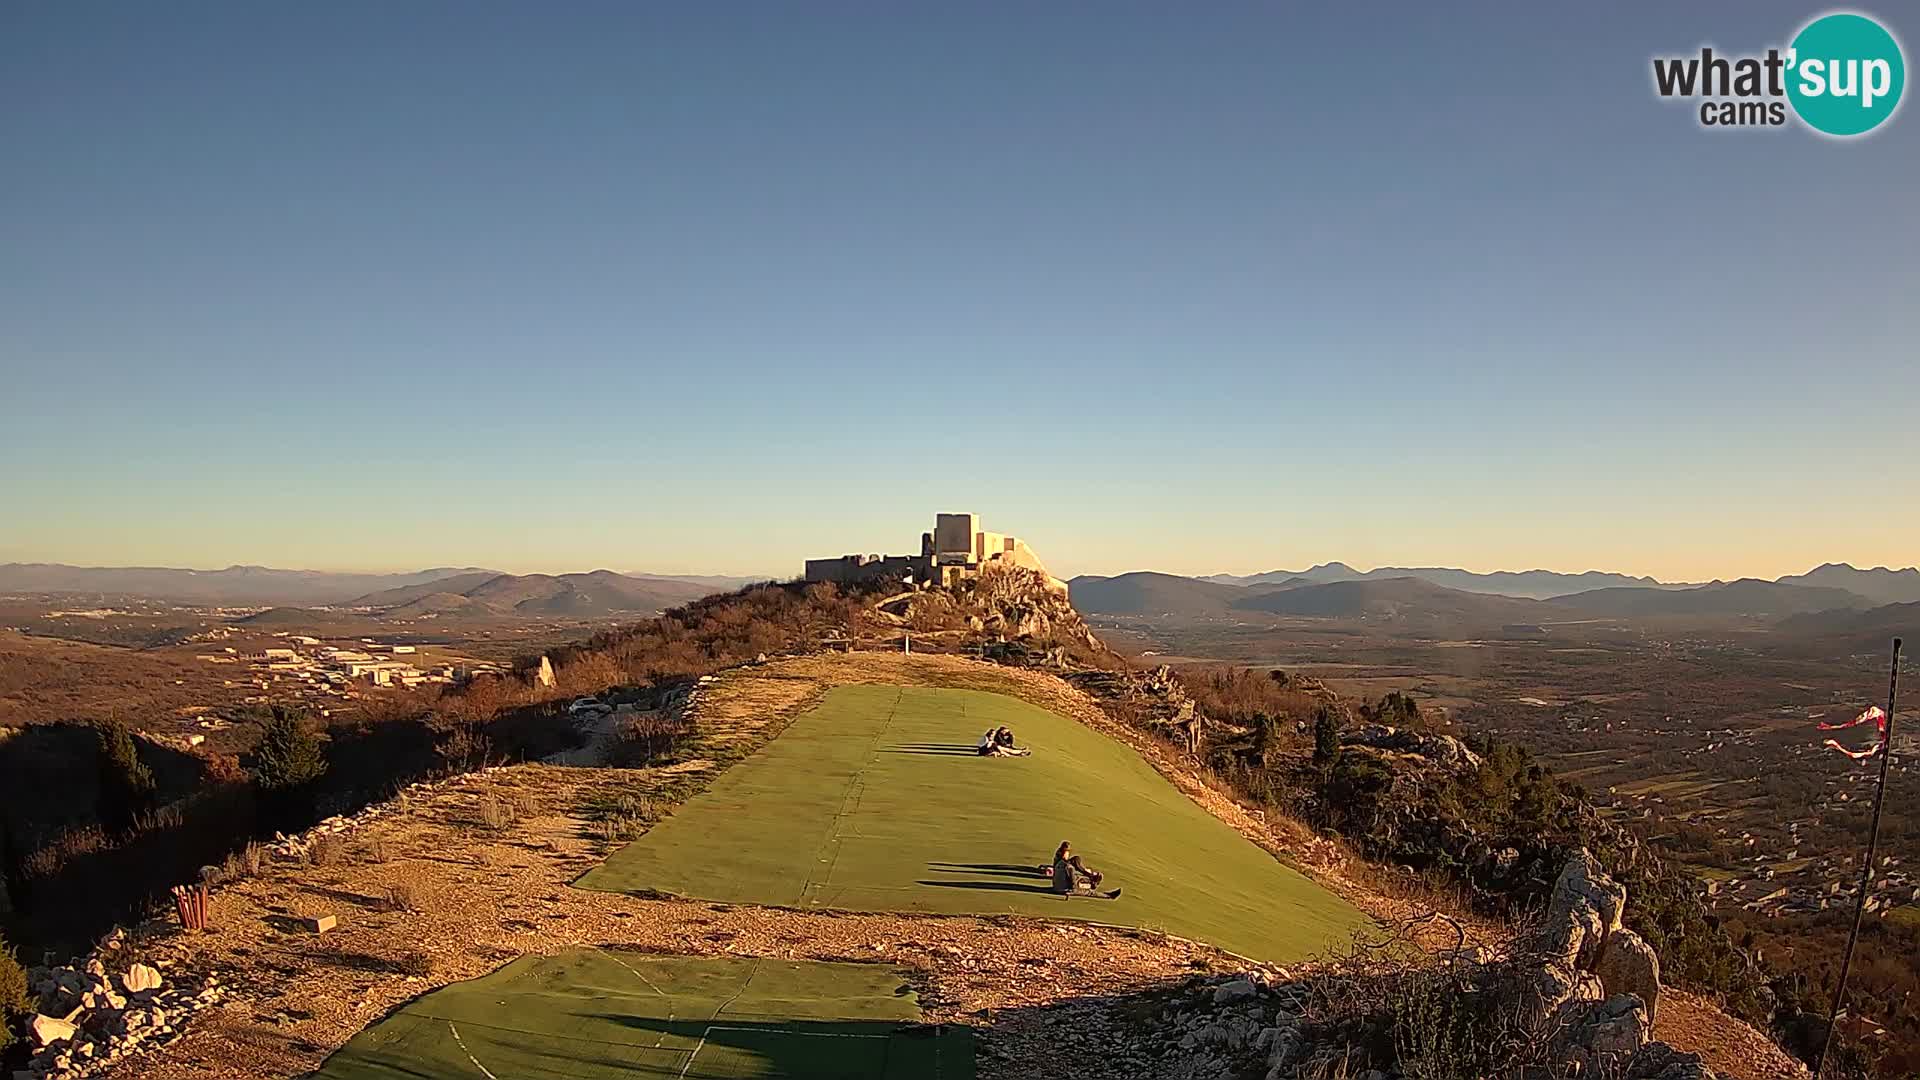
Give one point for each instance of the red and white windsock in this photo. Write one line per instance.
(1874, 713)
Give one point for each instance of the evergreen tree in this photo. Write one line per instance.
(289, 754)
(126, 784)
(1326, 736)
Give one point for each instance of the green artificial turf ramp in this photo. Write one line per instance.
(595, 1015)
(875, 801)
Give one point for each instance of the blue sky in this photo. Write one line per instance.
(717, 287)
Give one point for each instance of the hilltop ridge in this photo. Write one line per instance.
(687, 697)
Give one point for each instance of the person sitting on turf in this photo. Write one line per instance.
(1070, 874)
(998, 742)
(1086, 873)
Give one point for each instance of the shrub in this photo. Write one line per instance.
(464, 748)
(647, 739)
(289, 754)
(495, 813)
(247, 862)
(326, 851)
(524, 804)
(414, 962)
(402, 896)
(70, 845)
(14, 1004)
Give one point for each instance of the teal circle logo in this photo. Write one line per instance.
(1845, 74)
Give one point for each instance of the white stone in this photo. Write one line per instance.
(141, 979)
(47, 1030)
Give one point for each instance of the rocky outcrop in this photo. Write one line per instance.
(1628, 965)
(1003, 604)
(1442, 750)
(1598, 1038)
(1575, 999)
(92, 1014)
(1599, 983)
(1151, 699)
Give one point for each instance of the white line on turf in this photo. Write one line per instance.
(785, 1031)
(662, 1040)
(469, 1053)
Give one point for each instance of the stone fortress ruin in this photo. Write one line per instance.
(955, 550)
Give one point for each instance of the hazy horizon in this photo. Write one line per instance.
(1064, 573)
(713, 290)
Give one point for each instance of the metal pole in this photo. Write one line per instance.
(1866, 870)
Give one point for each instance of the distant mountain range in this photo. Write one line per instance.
(601, 592)
(236, 585)
(1531, 584)
(1427, 596)
(1408, 603)
(1879, 584)
(260, 585)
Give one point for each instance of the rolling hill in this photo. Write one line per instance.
(1748, 596)
(1149, 593)
(407, 594)
(1880, 585)
(1872, 625)
(601, 592)
(1405, 599)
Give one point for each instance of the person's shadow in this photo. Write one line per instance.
(1004, 870)
(1029, 870)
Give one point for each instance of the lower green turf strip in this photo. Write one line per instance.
(596, 1015)
(875, 801)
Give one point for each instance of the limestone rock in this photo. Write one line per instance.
(1585, 908)
(544, 673)
(141, 979)
(1606, 1036)
(1443, 750)
(1549, 990)
(47, 1030)
(1628, 965)
(1582, 879)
